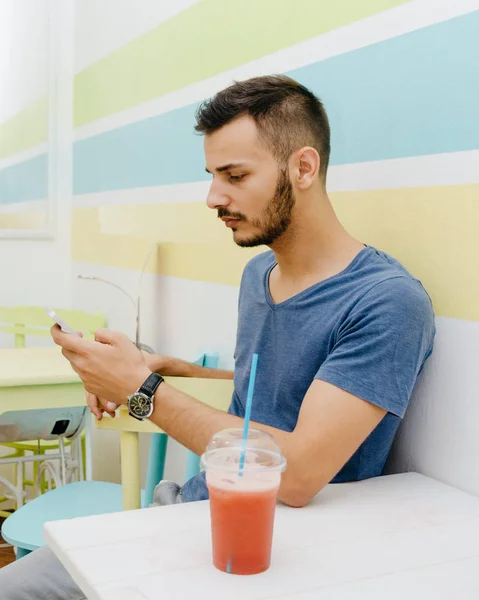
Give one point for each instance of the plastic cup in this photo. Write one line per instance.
(242, 504)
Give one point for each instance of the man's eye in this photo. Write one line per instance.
(236, 177)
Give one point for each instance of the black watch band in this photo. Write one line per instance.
(151, 384)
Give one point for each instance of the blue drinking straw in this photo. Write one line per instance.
(247, 414)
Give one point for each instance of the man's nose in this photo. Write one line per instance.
(217, 197)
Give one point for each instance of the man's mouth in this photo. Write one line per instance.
(229, 222)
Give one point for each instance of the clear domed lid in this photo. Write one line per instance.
(231, 438)
(261, 451)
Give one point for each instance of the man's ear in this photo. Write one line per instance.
(307, 164)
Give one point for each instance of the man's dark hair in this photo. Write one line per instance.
(287, 114)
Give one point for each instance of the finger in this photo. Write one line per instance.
(97, 413)
(77, 371)
(111, 407)
(107, 336)
(99, 404)
(76, 363)
(108, 407)
(70, 342)
(71, 356)
(93, 404)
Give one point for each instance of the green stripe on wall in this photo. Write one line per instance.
(194, 245)
(204, 40)
(25, 129)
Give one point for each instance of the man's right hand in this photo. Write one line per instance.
(98, 406)
(176, 367)
(158, 363)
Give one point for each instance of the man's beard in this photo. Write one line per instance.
(276, 217)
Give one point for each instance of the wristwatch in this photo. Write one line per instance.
(140, 403)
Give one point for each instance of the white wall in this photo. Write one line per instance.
(439, 434)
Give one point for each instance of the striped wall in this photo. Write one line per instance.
(398, 79)
(24, 76)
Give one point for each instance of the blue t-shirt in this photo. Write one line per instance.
(367, 330)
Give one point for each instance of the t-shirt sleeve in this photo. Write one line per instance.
(381, 347)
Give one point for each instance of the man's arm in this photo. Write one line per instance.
(332, 424)
(175, 367)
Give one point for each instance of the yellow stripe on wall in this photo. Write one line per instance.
(212, 261)
(34, 219)
(433, 231)
(185, 222)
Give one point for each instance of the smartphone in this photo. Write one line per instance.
(64, 326)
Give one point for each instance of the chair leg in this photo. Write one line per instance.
(36, 467)
(24, 478)
(156, 465)
(16, 488)
(19, 478)
(15, 454)
(83, 455)
(16, 493)
(76, 460)
(21, 552)
(81, 460)
(192, 465)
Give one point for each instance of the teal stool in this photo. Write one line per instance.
(24, 529)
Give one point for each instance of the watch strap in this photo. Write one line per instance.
(151, 384)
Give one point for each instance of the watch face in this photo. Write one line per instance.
(140, 405)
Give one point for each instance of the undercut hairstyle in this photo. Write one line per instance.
(288, 116)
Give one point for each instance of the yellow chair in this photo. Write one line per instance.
(23, 321)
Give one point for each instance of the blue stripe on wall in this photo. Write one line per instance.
(24, 181)
(156, 151)
(411, 95)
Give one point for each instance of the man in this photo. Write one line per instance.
(342, 330)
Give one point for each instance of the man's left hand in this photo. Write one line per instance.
(111, 367)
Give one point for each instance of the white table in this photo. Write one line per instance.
(399, 537)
